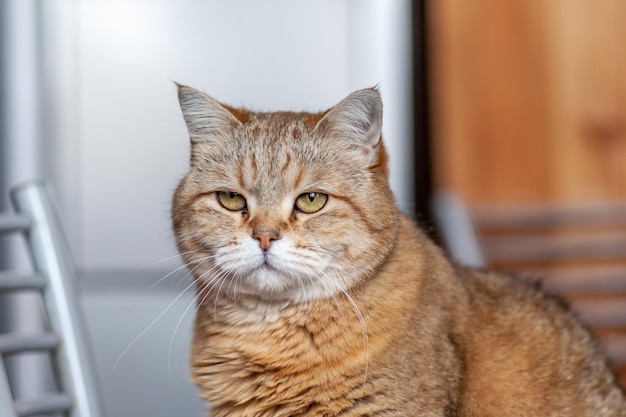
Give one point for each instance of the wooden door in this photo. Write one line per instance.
(529, 99)
(528, 104)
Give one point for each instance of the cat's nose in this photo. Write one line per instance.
(265, 237)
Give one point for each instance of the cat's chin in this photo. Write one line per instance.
(269, 284)
(266, 284)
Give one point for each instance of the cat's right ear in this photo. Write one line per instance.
(206, 119)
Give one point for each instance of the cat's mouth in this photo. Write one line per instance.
(281, 272)
(269, 262)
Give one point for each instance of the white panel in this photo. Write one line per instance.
(268, 55)
(130, 144)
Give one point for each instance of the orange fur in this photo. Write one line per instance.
(351, 310)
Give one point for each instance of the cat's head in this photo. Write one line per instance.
(284, 206)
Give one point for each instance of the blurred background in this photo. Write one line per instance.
(514, 107)
(527, 108)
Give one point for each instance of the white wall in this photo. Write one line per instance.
(121, 145)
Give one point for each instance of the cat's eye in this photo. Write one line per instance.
(311, 202)
(231, 201)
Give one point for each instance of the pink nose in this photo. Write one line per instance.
(265, 237)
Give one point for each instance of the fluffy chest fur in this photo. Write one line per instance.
(301, 363)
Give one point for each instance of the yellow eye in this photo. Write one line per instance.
(231, 200)
(311, 202)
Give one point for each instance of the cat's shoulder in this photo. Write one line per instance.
(516, 302)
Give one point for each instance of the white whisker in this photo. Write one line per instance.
(365, 338)
(150, 326)
(150, 288)
(169, 258)
(223, 278)
(195, 301)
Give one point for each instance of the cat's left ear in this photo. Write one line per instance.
(357, 119)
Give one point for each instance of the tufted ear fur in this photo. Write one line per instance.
(358, 120)
(206, 119)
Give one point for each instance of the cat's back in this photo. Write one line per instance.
(525, 353)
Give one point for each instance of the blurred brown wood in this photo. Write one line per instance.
(528, 104)
(489, 99)
(528, 99)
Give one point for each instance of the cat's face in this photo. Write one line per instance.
(284, 206)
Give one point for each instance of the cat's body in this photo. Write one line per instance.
(317, 298)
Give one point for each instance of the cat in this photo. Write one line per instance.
(317, 297)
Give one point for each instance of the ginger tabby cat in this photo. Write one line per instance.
(316, 297)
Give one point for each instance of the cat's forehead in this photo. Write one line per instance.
(276, 155)
(276, 140)
(279, 129)
(278, 152)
